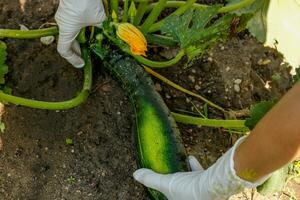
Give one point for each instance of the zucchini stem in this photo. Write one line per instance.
(125, 10)
(154, 14)
(141, 10)
(30, 34)
(58, 105)
(181, 4)
(160, 64)
(217, 123)
(114, 5)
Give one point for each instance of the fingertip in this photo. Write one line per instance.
(194, 164)
(140, 173)
(79, 65)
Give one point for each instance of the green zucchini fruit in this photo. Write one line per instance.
(158, 140)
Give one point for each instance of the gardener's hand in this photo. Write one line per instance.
(217, 182)
(71, 16)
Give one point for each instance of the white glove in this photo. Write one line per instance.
(217, 182)
(71, 16)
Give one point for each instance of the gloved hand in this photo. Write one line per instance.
(71, 16)
(217, 182)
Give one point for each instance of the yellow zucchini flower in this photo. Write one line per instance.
(133, 37)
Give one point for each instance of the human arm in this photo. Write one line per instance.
(274, 142)
(71, 16)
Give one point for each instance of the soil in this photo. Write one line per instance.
(37, 163)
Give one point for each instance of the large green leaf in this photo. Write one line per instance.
(257, 112)
(195, 31)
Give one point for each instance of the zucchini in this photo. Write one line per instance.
(158, 140)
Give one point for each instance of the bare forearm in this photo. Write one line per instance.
(274, 142)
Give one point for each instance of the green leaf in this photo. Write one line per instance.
(195, 30)
(251, 9)
(257, 26)
(3, 66)
(257, 112)
(275, 183)
(296, 77)
(69, 141)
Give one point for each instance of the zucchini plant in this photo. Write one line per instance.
(122, 44)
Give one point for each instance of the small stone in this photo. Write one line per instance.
(222, 48)
(264, 61)
(47, 40)
(236, 88)
(191, 78)
(168, 96)
(158, 87)
(197, 87)
(238, 81)
(227, 69)
(23, 27)
(209, 59)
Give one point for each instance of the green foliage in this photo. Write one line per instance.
(296, 77)
(275, 183)
(257, 112)
(3, 66)
(69, 141)
(195, 31)
(257, 25)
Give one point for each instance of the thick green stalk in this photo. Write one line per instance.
(58, 105)
(236, 6)
(125, 11)
(141, 10)
(30, 34)
(160, 64)
(209, 122)
(153, 15)
(175, 4)
(189, 3)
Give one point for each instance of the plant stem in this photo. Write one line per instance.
(236, 6)
(57, 105)
(125, 11)
(158, 64)
(175, 4)
(153, 15)
(141, 10)
(209, 122)
(114, 5)
(30, 34)
(174, 85)
(189, 3)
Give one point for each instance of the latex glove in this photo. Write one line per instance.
(71, 16)
(217, 182)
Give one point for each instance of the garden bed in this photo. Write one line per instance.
(37, 163)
